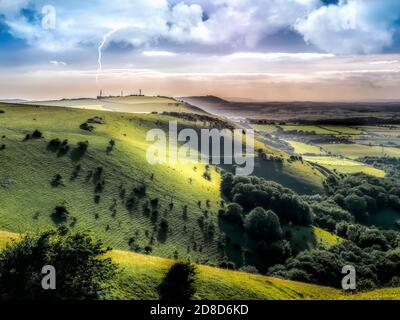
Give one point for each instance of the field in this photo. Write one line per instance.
(344, 165)
(269, 128)
(303, 148)
(354, 151)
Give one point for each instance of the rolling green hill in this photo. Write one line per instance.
(28, 168)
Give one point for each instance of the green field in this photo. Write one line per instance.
(354, 151)
(344, 165)
(269, 128)
(303, 148)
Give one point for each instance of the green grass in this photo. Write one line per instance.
(344, 165)
(270, 128)
(303, 148)
(354, 151)
(303, 238)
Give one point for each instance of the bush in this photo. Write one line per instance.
(164, 225)
(81, 271)
(60, 214)
(85, 126)
(36, 134)
(263, 225)
(178, 283)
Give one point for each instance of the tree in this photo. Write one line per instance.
(263, 225)
(357, 206)
(178, 283)
(233, 213)
(81, 270)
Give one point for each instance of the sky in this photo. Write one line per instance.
(320, 50)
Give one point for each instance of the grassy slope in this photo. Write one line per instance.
(299, 176)
(344, 165)
(130, 104)
(27, 168)
(140, 275)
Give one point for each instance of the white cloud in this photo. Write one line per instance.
(58, 63)
(352, 26)
(279, 56)
(384, 62)
(158, 54)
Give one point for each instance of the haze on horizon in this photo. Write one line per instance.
(278, 50)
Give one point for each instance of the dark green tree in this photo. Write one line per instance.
(81, 270)
(178, 283)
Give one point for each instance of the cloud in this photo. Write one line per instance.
(58, 63)
(158, 54)
(352, 26)
(279, 56)
(348, 27)
(143, 23)
(384, 62)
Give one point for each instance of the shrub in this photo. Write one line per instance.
(36, 134)
(57, 181)
(85, 126)
(60, 214)
(164, 225)
(178, 283)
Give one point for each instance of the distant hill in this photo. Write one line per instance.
(14, 100)
(207, 99)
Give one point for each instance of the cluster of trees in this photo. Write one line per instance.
(252, 192)
(362, 195)
(376, 267)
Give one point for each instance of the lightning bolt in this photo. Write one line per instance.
(100, 53)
